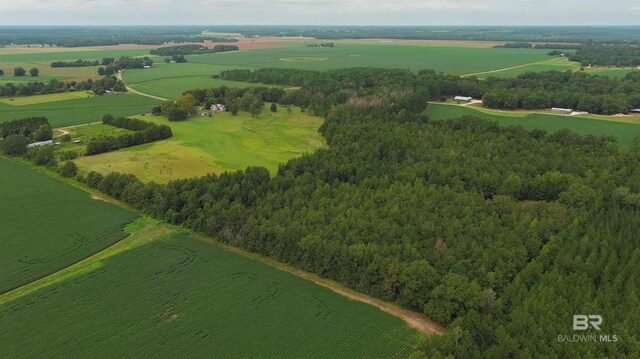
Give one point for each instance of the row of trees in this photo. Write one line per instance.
(76, 63)
(191, 50)
(143, 133)
(99, 87)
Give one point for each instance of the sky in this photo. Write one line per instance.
(319, 12)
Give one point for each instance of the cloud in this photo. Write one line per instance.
(357, 12)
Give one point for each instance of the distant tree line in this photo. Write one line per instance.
(103, 36)
(528, 45)
(191, 50)
(574, 90)
(99, 87)
(145, 132)
(321, 44)
(608, 55)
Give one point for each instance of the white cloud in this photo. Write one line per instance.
(415, 12)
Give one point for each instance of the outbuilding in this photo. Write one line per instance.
(566, 111)
(39, 144)
(462, 98)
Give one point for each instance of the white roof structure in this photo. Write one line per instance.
(41, 143)
(463, 98)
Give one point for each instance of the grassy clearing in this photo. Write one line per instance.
(80, 111)
(47, 225)
(214, 144)
(179, 295)
(33, 100)
(623, 130)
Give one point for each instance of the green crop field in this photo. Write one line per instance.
(70, 55)
(214, 144)
(625, 132)
(47, 225)
(80, 111)
(182, 297)
(171, 80)
(55, 97)
(452, 60)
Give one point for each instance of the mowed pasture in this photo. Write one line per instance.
(224, 142)
(624, 129)
(46, 225)
(80, 111)
(182, 297)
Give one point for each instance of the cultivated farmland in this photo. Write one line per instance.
(47, 225)
(80, 111)
(215, 144)
(182, 297)
(452, 60)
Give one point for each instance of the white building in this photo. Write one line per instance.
(566, 111)
(38, 144)
(218, 107)
(462, 98)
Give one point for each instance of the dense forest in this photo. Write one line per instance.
(191, 50)
(500, 233)
(575, 90)
(608, 55)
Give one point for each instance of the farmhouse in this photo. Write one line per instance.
(566, 111)
(462, 98)
(218, 107)
(41, 143)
